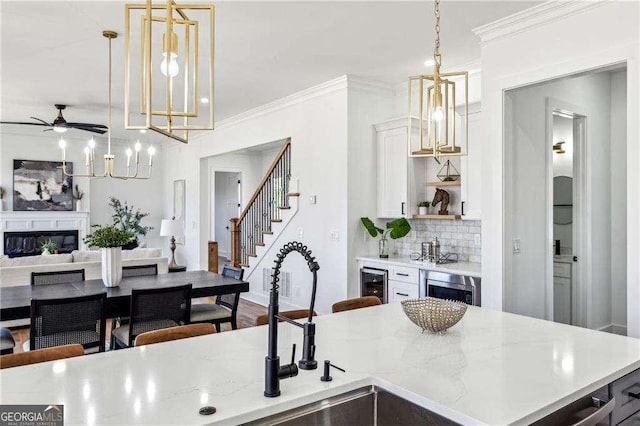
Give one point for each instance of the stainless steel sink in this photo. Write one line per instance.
(369, 405)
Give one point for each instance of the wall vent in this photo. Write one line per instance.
(285, 282)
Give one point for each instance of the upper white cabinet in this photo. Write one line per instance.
(402, 180)
(399, 177)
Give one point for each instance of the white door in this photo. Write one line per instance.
(227, 206)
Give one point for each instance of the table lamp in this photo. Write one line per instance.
(172, 228)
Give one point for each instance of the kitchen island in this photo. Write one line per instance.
(490, 368)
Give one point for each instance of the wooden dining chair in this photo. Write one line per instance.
(173, 333)
(69, 320)
(41, 355)
(294, 315)
(225, 309)
(357, 303)
(57, 277)
(153, 309)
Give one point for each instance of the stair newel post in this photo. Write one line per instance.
(235, 242)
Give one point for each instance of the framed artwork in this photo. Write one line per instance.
(41, 185)
(179, 192)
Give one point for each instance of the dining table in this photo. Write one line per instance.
(15, 301)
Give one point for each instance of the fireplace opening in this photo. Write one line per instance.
(18, 244)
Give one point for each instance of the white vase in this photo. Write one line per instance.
(422, 211)
(46, 253)
(112, 266)
(78, 205)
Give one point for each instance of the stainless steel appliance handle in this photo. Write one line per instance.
(374, 271)
(598, 415)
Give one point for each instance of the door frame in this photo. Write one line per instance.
(212, 197)
(581, 279)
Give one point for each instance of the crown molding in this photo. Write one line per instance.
(533, 17)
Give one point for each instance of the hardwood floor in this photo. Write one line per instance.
(247, 314)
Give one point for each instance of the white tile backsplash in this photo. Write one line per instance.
(455, 236)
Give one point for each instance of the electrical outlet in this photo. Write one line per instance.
(301, 232)
(516, 245)
(335, 235)
(476, 239)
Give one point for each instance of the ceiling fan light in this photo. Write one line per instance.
(59, 129)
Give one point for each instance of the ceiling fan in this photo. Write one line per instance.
(61, 125)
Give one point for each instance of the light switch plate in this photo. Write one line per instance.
(476, 239)
(516, 245)
(335, 235)
(300, 232)
(313, 199)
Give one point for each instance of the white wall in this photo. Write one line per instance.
(144, 194)
(550, 41)
(527, 200)
(316, 121)
(619, 200)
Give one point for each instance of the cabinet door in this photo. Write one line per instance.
(471, 166)
(392, 173)
(562, 300)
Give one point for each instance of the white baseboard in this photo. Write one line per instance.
(263, 299)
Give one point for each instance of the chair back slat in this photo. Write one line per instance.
(40, 355)
(156, 308)
(57, 277)
(139, 270)
(57, 322)
(173, 333)
(232, 272)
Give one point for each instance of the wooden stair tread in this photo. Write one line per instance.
(244, 265)
(267, 232)
(293, 194)
(260, 244)
(284, 207)
(276, 220)
(252, 255)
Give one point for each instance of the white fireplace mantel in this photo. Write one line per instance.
(44, 221)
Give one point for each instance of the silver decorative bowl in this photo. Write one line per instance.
(436, 315)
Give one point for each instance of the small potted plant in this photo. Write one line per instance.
(396, 228)
(422, 207)
(49, 247)
(77, 195)
(129, 219)
(110, 240)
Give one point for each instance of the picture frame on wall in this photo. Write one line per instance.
(179, 197)
(42, 186)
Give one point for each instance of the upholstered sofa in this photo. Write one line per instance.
(17, 271)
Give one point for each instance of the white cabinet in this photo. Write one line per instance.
(471, 166)
(400, 178)
(562, 290)
(399, 291)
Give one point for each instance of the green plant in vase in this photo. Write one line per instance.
(110, 239)
(49, 247)
(129, 219)
(397, 228)
(422, 207)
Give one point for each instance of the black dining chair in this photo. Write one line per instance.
(225, 309)
(57, 277)
(69, 320)
(128, 272)
(153, 309)
(7, 343)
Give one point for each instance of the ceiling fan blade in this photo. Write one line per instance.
(26, 122)
(82, 125)
(42, 121)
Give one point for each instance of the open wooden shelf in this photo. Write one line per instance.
(437, 216)
(448, 183)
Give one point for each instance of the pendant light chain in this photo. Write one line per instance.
(436, 12)
(109, 111)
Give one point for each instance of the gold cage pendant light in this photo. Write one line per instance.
(109, 158)
(169, 67)
(438, 108)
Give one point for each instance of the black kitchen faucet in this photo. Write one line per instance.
(273, 371)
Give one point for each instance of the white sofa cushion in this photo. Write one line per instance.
(141, 253)
(52, 259)
(86, 256)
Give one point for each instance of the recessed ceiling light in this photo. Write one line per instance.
(204, 100)
(143, 130)
(429, 63)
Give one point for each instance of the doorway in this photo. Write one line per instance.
(565, 179)
(227, 195)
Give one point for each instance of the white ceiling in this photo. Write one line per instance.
(54, 52)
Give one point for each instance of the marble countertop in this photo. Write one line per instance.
(471, 269)
(491, 368)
